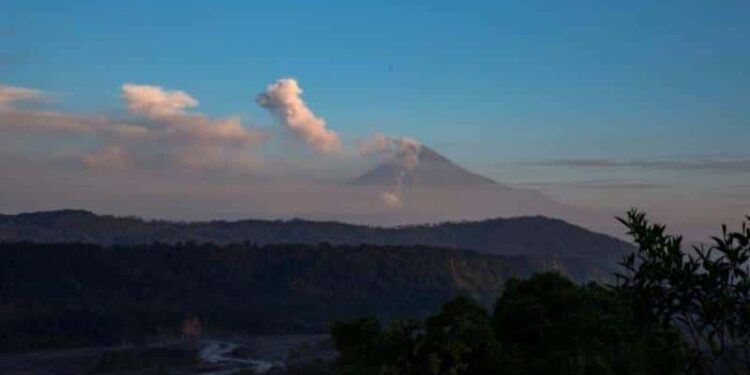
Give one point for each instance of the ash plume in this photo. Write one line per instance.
(283, 99)
(403, 150)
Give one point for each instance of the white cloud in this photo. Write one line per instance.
(36, 121)
(188, 139)
(154, 102)
(12, 94)
(112, 157)
(193, 140)
(41, 121)
(167, 110)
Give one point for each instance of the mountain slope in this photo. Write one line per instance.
(532, 236)
(432, 170)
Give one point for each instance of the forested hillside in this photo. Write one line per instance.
(83, 294)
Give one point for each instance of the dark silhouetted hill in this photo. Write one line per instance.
(532, 236)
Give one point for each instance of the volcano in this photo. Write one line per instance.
(431, 187)
(431, 170)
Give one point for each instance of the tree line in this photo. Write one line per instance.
(671, 311)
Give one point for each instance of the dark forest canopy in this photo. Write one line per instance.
(543, 325)
(82, 294)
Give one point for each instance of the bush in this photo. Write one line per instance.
(704, 293)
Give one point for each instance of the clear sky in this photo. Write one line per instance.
(574, 97)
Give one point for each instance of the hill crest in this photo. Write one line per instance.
(531, 236)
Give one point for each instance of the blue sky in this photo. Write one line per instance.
(503, 87)
(633, 77)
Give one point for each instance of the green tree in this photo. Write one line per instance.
(458, 340)
(359, 344)
(399, 347)
(547, 324)
(705, 293)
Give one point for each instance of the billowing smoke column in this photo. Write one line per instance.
(405, 151)
(283, 99)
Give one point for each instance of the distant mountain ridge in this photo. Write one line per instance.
(530, 236)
